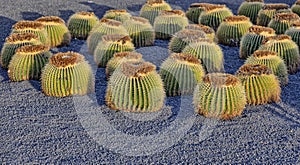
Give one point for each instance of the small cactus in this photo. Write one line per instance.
(57, 31)
(210, 33)
(294, 32)
(209, 53)
(285, 48)
(272, 61)
(151, 9)
(232, 29)
(81, 23)
(181, 73)
(13, 42)
(220, 96)
(135, 87)
(251, 41)
(28, 62)
(67, 74)
(282, 21)
(296, 7)
(261, 85)
(195, 10)
(118, 15)
(109, 45)
(141, 31)
(250, 8)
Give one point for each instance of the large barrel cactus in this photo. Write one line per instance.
(282, 21)
(151, 9)
(296, 7)
(250, 8)
(294, 32)
(261, 85)
(210, 33)
(67, 74)
(135, 87)
(220, 96)
(119, 15)
(195, 10)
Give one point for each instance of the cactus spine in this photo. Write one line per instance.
(151, 9)
(118, 15)
(250, 8)
(294, 32)
(269, 10)
(282, 21)
(195, 10)
(296, 7)
(210, 33)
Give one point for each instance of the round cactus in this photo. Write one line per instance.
(135, 87)
(250, 8)
(214, 15)
(81, 23)
(67, 74)
(57, 31)
(282, 21)
(296, 7)
(141, 31)
(151, 9)
(261, 85)
(105, 26)
(210, 33)
(272, 61)
(294, 32)
(28, 62)
(182, 38)
(209, 53)
(253, 39)
(232, 29)
(220, 96)
(195, 10)
(109, 45)
(181, 73)
(168, 22)
(32, 27)
(285, 48)
(119, 58)
(13, 42)
(118, 15)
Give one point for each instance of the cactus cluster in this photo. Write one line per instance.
(195, 10)
(250, 8)
(294, 32)
(151, 9)
(118, 15)
(296, 7)
(282, 21)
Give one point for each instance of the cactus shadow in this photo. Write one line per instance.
(26, 15)
(98, 9)
(100, 86)
(65, 14)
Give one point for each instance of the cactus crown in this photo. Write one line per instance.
(236, 19)
(254, 1)
(28, 25)
(196, 5)
(261, 29)
(117, 11)
(276, 38)
(140, 19)
(110, 22)
(172, 12)
(128, 55)
(155, 2)
(297, 2)
(275, 6)
(33, 49)
(206, 29)
(51, 19)
(185, 58)
(137, 69)
(296, 24)
(19, 37)
(264, 53)
(188, 34)
(84, 13)
(62, 60)
(213, 7)
(220, 79)
(116, 38)
(253, 69)
(286, 17)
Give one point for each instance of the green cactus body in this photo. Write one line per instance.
(195, 10)
(269, 10)
(272, 61)
(151, 9)
(81, 23)
(285, 48)
(135, 87)
(294, 32)
(105, 26)
(67, 74)
(32, 27)
(118, 15)
(220, 96)
(214, 15)
(182, 38)
(210, 33)
(251, 41)
(13, 42)
(28, 62)
(250, 8)
(109, 45)
(57, 31)
(232, 29)
(141, 31)
(119, 58)
(261, 85)
(209, 53)
(181, 73)
(282, 21)
(296, 7)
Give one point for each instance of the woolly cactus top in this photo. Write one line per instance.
(32, 49)
(140, 19)
(291, 17)
(263, 53)
(275, 6)
(116, 38)
(128, 55)
(183, 57)
(116, 11)
(253, 69)
(297, 2)
(213, 7)
(221, 79)
(190, 35)
(110, 22)
(62, 60)
(296, 24)
(19, 37)
(137, 69)
(86, 14)
(276, 38)
(155, 2)
(171, 12)
(28, 25)
(236, 19)
(197, 5)
(204, 28)
(51, 19)
(261, 30)
(262, 1)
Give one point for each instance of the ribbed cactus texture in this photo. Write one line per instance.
(232, 29)
(118, 15)
(210, 33)
(261, 85)
(109, 45)
(13, 42)
(67, 74)
(28, 62)
(272, 61)
(168, 22)
(181, 73)
(282, 21)
(269, 10)
(58, 32)
(250, 8)
(209, 53)
(195, 10)
(294, 32)
(296, 7)
(220, 96)
(135, 87)
(81, 23)
(151, 9)
(140, 31)
(252, 40)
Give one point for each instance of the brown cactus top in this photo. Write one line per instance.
(140, 19)
(204, 28)
(197, 5)
(137, 69)
(28, 25)
(261, 30)
(153, 2)
(171, 12)
(19, 37)
(291, 17)
(275, 6)
(276, 38)
(35, 49)
(236, 18)
(110, 22)
(297, 2)
(51, 19)
(190, 34)
(296, 24)
(87, 14)
(254, 1)
(116, 38)
(264, 53)
(185, 57)
(213, 7)
(128, 55)
(62, 60)
(253, 69)
(117, 11)
(221, 79)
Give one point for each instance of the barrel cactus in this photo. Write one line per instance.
(151, 9)
(294, 32)
(168, 22)
(296, 7)
(250, 8)
(285, 48)
(252, 40)
(67, 74)
(135, 87)
(109, 45)
(28, 62)
(282, 21)
(119, 15)
(181, 73)
(261, 85)
(141, 31)
(220, 96)
(210, 33)
(232, 29)
(81, 23)
(195, 10)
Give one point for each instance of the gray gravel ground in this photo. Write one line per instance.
(81, 130)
